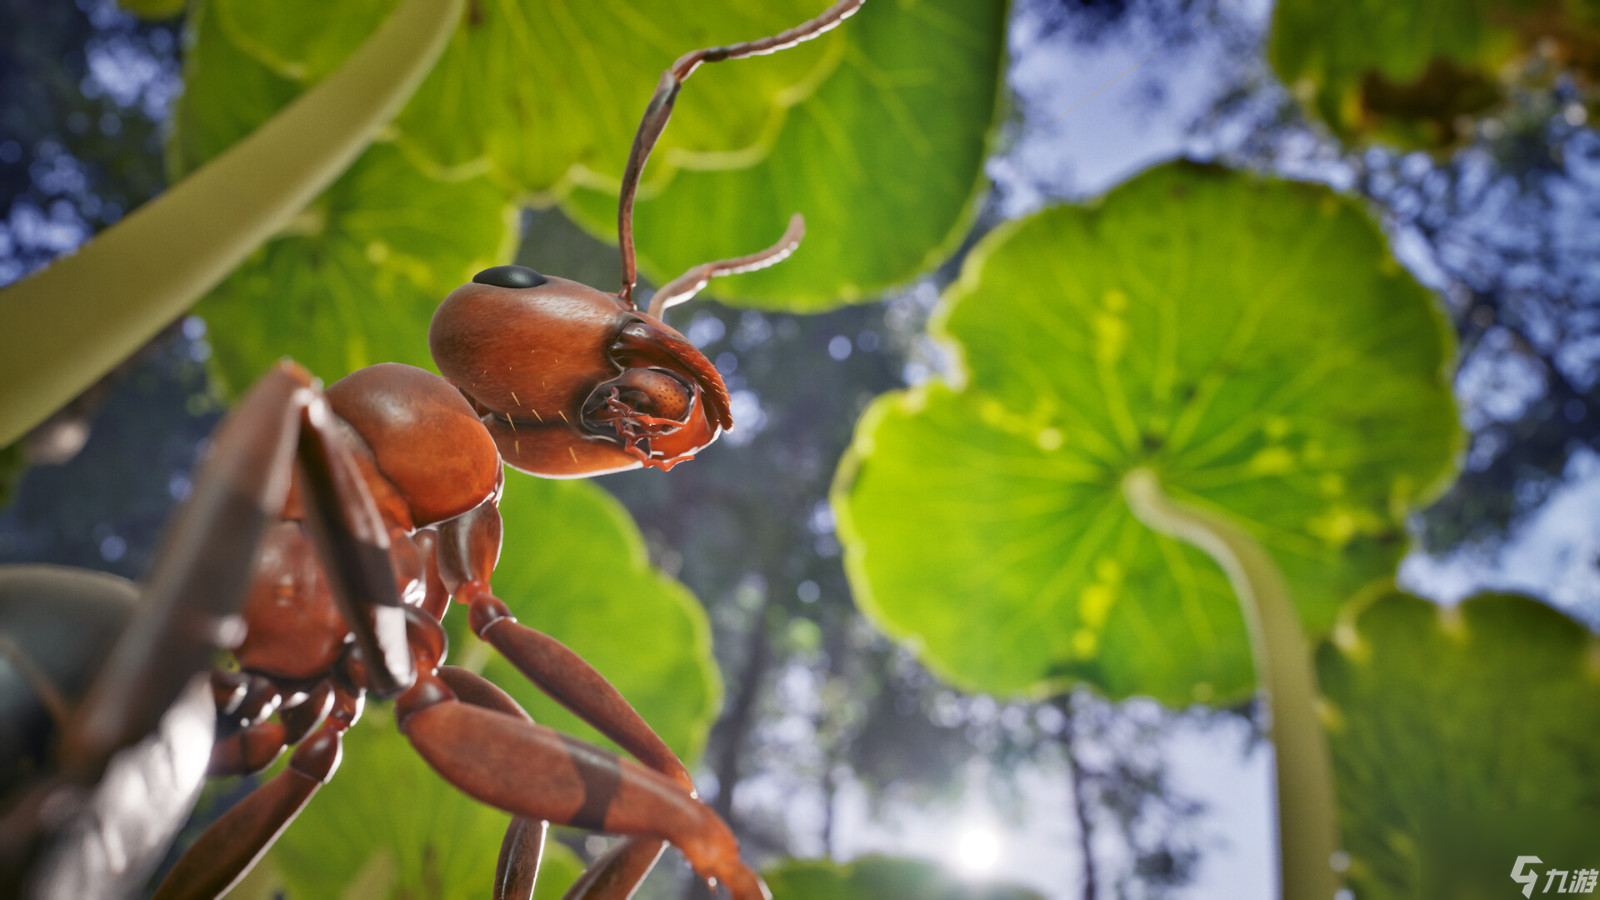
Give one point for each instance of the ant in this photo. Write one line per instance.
(336, 526)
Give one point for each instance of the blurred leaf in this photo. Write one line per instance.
(226, 94)
(1489, 707)
(574, 566)
(356, 840)
(357, 279)
(13, 464)
(1406, 72)
(876, 877)
(1250, 341)
(154, 9)
(359, 282)
(885, 161)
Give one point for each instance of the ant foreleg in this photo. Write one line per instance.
(523, 846)
(571, 681)
(614, 876)
(539, 773)
(618, 873)
(233, 844)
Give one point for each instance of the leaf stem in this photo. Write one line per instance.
(1307, 815)
(69, 324)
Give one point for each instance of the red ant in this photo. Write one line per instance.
(349, 518)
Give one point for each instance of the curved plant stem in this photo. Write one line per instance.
(69, 324)
(1307, 816)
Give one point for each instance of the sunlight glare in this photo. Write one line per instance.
(978, 850)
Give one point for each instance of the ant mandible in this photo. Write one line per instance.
(366, 508)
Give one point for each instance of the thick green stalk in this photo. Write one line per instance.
(69, 324)
(1308, 829)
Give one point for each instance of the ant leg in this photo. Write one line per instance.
(538, 773)
(256, 742)
(468, 547)
(615, 876)
(691, 282)
(234, 843)
(659, 110)
(523, 847)
(571, 681)
(200, 574)
(198, 580)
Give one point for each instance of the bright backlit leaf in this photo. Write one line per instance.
(538, 94)
(357, 281)
(884, 160)
(1250, 341)
(551, 93)
(1436, 714)
(1409, 71)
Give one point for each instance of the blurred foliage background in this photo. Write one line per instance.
(1417, 376)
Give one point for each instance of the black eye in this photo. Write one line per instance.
(510, 277)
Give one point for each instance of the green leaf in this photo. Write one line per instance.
(357, 277)
(1407, 72)
(153, 9)
(884, 160)
(574, 566)
(299, 42)
(538, 94)
(1250, 341)
(551, 93)
(226, 95)
(874, 877)
(358, 282)
(387, 826)
(1486, 707)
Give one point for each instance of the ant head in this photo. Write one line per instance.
(572, 381)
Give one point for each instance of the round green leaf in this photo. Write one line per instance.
(552, 93)
(1488, 707)
(153, 9)
(541, 95)
(875, 877)
(226, 95)
(387, 826)
(358, 282)
(1249, 341)
(884, 160)
(1408, 71)
(299, 42)
(574, 566)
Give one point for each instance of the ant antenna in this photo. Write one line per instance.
(655, 119)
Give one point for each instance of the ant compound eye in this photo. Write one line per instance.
(510, 277)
